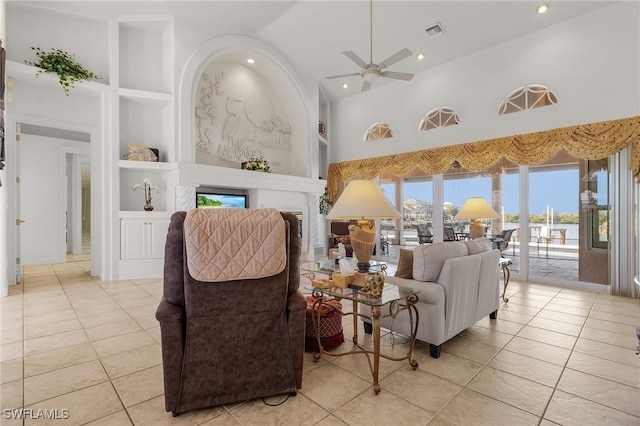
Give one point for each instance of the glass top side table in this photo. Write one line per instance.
(330, 267)
(394, 299)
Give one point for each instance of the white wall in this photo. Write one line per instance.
(4, 272)
(592, 63)
(85, 37)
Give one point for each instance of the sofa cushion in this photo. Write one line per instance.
(479, 245)
(405, 264)
(428, 259)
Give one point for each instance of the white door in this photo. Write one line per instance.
(41, 195)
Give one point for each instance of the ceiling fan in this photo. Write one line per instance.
(371, 72)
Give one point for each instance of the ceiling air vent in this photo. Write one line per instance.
(435, 31)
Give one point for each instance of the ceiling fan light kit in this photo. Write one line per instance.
(371, 72)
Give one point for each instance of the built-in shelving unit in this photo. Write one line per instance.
(146, 112)
(146, 117)
(135, 103)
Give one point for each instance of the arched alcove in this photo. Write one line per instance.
(267, 99)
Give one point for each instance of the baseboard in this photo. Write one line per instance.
(139, 269)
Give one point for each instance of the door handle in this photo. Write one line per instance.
(20, 221)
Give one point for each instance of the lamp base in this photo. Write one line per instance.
(476, 229)
(362, 242)
(359, 280)
(363, 267)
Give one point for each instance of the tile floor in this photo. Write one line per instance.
(554, 356)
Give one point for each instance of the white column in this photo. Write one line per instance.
(185, 197)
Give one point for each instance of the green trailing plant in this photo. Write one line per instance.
(63, 64)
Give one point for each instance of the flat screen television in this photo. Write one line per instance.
(216, 198)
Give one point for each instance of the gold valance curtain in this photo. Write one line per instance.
(589, 141)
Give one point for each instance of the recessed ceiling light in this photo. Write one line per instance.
(420, 56)
(251, 61)
(345, 85)
(542, 8)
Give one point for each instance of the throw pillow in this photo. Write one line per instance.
(479, 245)
(405, 264)
(428, 259)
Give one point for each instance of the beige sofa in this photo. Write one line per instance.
(458, 285)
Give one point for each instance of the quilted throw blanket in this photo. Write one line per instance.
(228, 244)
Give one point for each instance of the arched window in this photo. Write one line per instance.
(377, 131)
(527, 97)
(439, 117)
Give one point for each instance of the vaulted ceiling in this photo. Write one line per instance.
(313, 33)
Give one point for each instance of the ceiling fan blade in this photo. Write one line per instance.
(365, 86)
(343, 75)
(397, 75)
(397, 57)
(355, 58)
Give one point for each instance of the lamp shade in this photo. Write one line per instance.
(362, 199)
(476, 208)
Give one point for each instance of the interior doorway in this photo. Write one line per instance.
(53, 207)
(78, 213)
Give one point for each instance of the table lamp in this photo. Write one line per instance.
(363, 201)
(474, 209)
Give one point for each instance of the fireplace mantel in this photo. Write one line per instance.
(190, 174)
(295, 194)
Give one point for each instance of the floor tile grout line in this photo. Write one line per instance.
(99, 358)
(564, 367)
(583, 326)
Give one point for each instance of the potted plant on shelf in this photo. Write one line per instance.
(63, 64)
(148, 187)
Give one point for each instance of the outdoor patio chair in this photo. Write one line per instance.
(425, 233)
(448, 234)
(501, 240)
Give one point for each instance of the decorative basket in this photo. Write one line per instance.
(342, 281)
(321, 283)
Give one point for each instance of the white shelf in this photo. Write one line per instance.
(141, 214)
(147, 165)
(23, 72)
(145, 96)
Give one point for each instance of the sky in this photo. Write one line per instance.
(556, 189)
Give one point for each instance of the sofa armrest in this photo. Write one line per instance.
(296, 302)
(169, 313)
(431, 308)
(172, 333)
(428, 292)
(459, 278)
(296, 317)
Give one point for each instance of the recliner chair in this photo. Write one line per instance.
(239, 336)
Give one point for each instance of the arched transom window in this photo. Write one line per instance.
(527, 97)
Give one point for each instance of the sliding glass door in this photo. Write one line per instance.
(563, 235)
(414, 199)
(569, 220)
